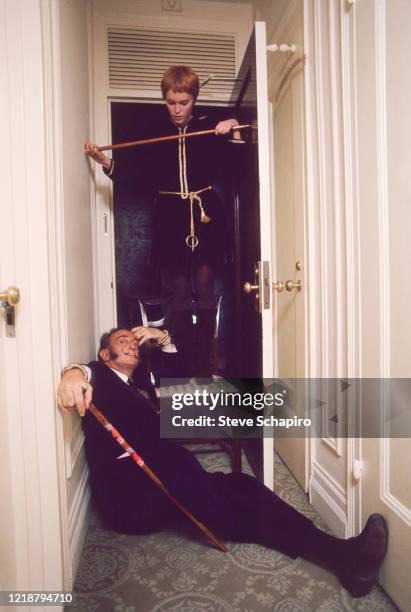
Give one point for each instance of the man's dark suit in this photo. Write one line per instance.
(235, 506)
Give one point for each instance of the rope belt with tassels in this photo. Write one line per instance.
(186, 194)
(192, 196)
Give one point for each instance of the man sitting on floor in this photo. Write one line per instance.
(235, 506)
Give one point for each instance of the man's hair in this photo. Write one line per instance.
(180, 79)
(105, 339)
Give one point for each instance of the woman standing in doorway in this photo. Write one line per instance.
(189, 233)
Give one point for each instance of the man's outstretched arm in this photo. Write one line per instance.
(74, 390)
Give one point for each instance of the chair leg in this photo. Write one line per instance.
(236, 459)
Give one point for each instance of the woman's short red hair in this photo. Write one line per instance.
(180, 79)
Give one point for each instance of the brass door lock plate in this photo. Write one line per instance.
(9, 299)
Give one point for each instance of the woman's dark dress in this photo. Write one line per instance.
(160, 167)
(236, 507)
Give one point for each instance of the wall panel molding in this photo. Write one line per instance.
(338, 201)
(384, 248)
(78, 521)
(51, 51)
(352, 246)
(393, 502)
(69, 329)
(312, 221)
(334, 254)
(383, 214)
(323, 288)
(352, 217)
(279, 63)
(329, 498)
(77, 443)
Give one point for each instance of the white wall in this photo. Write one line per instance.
(272, 11)
(380, 50)
(384, 152)
(75, 124)
(192, 11)
(74, 84)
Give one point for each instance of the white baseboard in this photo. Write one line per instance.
(329, 499)
(78, 522)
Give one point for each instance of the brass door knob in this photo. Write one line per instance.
(290, 285)
(248, 287)
(11, 296)
(279, 286)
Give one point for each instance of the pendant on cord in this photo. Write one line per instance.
(192, 241)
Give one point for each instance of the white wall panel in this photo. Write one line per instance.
(78, 253)
(331, 241)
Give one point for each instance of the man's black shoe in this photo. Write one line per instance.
(368, 553)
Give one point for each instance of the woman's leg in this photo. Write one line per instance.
(204, 277)
(206, 318)
(180, 318)
(180, 286)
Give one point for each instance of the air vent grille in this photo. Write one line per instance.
(138, 57)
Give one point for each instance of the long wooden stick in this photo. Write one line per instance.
(137, 459)
(136, 143)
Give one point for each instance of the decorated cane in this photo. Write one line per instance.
(136, 143)
(140, 462)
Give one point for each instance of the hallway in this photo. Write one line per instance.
(335, 229)
(165, 572)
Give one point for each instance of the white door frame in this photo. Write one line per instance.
(104, 221)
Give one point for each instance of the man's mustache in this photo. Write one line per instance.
(114, 356)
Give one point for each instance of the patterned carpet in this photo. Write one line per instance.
(165, 572)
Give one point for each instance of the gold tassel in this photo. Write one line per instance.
(204, 218)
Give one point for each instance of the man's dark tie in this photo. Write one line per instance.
(132, 383)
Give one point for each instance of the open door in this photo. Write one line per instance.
(253, 217)
(254, 310)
